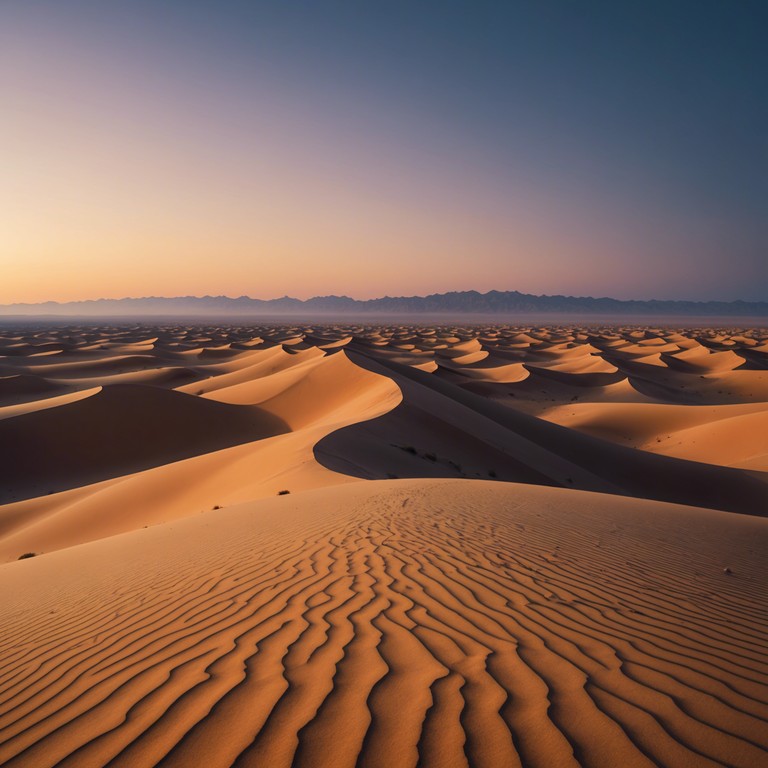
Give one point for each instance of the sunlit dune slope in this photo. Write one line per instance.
(734, 435)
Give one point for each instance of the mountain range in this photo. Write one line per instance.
(500, 303)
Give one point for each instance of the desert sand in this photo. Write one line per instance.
(383, 546)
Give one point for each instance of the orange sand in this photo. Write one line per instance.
(572, 572)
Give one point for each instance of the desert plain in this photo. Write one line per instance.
(357, 545)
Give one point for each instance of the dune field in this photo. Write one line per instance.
(245, 545)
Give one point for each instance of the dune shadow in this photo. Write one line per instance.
(443, 430)
(120, 430)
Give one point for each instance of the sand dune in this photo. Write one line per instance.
(442, 430)
(383, 546)
(438, 622)
(177, 486)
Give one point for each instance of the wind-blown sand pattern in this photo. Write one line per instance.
(562, 559)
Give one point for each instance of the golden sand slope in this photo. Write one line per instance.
(734, 435)
(443, 623)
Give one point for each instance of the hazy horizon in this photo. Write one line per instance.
(310, 297)
(456, 308)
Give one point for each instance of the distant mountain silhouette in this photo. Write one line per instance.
(501, 303)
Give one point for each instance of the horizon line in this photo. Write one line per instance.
(375, 298)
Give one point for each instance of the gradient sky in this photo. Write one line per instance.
(370, 148)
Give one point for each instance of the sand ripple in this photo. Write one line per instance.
(413, 622)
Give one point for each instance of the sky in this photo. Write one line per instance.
(161, 148)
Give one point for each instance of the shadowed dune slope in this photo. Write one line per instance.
(443, 430)
(119, 430)
(396, 623)
(18, 388)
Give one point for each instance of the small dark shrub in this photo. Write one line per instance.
(492, 473)
(282, 493)
(27, 555)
